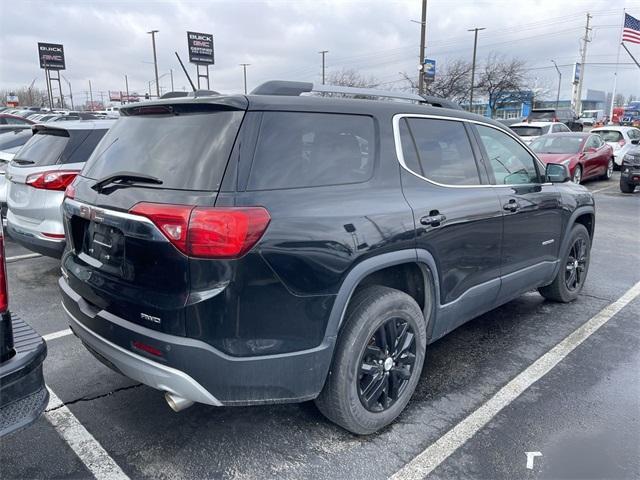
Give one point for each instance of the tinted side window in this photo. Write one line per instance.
(444, 151)
(592, 142)
(297, 150)
(634, 134)
(81, 146)
(16, 121)
(510, 162)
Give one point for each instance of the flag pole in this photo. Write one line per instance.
(615, 74)
(632, 57)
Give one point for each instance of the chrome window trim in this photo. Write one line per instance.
(396, 137)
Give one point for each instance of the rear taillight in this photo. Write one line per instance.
(4, 294)
(54, 180)
(208, 232)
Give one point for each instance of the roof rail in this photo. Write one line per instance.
(203, 93)
(288, 88)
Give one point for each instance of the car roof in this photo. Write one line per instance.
(614, 127)
(534, 124)
(75, 125)
(316, 103)
(569, 134)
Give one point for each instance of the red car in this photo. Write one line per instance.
(585, 154)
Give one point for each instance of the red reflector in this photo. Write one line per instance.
(53, 235)
(54, 180)
(147, 348)
(208, 232)
(4, 294)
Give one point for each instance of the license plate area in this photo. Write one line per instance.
(105, 244)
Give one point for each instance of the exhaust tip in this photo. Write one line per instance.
(176, 402)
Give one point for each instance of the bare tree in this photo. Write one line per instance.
(451, 82)
(631, 98)
(26, 96)
(502, 81)
(348, 77)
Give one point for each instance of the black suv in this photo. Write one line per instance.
(279, 247)
(630, 170)
(564, 115)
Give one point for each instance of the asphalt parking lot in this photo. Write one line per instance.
(582, 416)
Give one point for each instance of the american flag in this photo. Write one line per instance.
(631, 31)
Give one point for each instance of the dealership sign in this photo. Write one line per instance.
(200, 48)
(51, 56)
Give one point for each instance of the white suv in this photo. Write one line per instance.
(621, 139)
(529, 131)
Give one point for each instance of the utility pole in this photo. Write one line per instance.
(70, 91)
(423, 34)
(244, 68)
(171, 70)
(577, 88)
(126, 86)
(473, 64)
(559, 82)
(91, 95)
(323, 53)
(155, 61)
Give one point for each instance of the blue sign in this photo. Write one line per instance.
(429, 70)
(577, 72)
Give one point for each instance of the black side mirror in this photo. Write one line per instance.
(557, 173)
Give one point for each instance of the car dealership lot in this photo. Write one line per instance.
(582, 416)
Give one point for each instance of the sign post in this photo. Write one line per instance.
(201, 53)
(429, 70)
(51, 57)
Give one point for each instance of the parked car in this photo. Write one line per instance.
(584, 154)
(307, 247)
(529, 131)
(630, 170)
(13, 122)
(510, 121)
(23, 395)
(591, 117)
(37, 177)
(10, 143)
(564, 115)
(621, 139)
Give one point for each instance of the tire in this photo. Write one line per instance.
(609, 172)
(577, 174)
(626, 187)
(342, 400)
(561, 290)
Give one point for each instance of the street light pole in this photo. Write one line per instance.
(423, 32)
(323, 53)
(171, 70)
(126, 86)
(155, 60)
(473, 64)
(70, 91)
(91, 95)
(559, 82)
(244, 68)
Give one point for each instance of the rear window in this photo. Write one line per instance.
(528, 131)
(552, 144)
(296, 150)
(542, 115)
(51, 147)
(610, 135)
(187, 151)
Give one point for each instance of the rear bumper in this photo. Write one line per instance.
(193, 369)
(30, 237)
(23, 395)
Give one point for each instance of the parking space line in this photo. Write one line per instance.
(85, 446)
(600, 189)
(52, 336)
(22, 257)
(441, 449)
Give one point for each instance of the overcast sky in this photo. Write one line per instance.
(104, 40)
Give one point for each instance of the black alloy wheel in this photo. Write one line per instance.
(576, 265)
(386, 365)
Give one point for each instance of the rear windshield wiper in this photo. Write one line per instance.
(125, 177)
(23, 162)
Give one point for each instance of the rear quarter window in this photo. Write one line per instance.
(297, 150)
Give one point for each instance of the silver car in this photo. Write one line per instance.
(38, 176)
